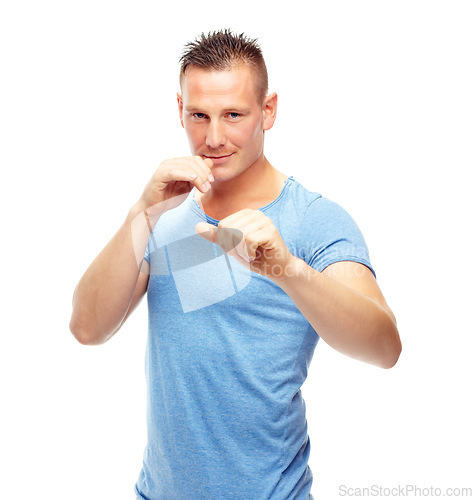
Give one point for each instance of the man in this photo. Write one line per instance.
(230, 338)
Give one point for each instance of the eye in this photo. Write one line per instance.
(199, 116)
(234, 115)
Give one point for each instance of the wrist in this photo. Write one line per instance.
(294, 268)
(135, 210)
(151, 214)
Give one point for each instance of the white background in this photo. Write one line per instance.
(376, 112)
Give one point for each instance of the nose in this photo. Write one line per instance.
(215, 137)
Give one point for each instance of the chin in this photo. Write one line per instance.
(221, 176)
(224, 174)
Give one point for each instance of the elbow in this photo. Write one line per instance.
(391, 361)
(84, 335)
(393, 350)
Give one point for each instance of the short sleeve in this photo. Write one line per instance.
(329, 234)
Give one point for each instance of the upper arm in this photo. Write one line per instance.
(358, 277)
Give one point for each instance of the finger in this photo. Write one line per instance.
(242, 239)
(177, 174)
(207, 162)
(197, 176)
(248, 227)
(240, 218)
(207, 231)
(242, 249)
(191, 169)
(262, 238)
(204, 164)
(228, 238)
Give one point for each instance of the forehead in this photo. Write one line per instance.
(226, 87)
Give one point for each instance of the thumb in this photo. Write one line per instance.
(207, 231)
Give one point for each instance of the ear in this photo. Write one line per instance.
(180, 107)
(269, 110)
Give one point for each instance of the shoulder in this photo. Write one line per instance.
(327, 232)
(299, 195)
(314, 207)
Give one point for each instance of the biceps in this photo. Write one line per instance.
(358, 277)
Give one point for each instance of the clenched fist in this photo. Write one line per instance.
(253, 240)
(171, 183)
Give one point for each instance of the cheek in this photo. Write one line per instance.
(245, 135)
(194, 133)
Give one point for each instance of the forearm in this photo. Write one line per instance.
(102, 296)
(347, 320)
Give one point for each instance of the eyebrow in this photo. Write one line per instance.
(193, 109)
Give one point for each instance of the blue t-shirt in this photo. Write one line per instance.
(227, 354)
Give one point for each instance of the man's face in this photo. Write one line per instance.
(223, 119)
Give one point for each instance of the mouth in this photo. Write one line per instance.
(219, 159)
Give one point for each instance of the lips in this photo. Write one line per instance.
(218, 157)
(218, 160)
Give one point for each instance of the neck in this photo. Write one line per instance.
(254, 188)
(248, 183)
